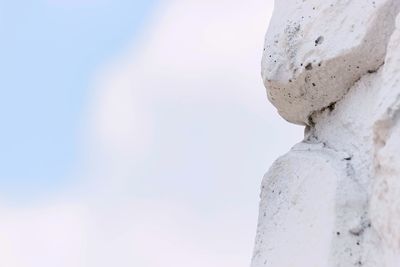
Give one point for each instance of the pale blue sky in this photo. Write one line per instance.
(49, 52)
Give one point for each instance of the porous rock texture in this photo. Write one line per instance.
(334, 199)
(316, 50)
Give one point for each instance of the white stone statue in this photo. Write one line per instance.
(334, 199)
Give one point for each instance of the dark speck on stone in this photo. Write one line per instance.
(319, 40)
(309, 66)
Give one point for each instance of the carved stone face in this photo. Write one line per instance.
(315, 50)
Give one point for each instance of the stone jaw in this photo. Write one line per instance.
(316, 50)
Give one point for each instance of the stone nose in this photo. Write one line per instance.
(276, 70)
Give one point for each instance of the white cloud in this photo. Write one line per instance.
(48, 235)
(197, 114)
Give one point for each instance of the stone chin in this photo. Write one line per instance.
(316, 50)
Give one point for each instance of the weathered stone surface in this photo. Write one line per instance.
(315, 50)
(334, 199)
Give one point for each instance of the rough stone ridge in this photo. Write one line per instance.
(334, 199)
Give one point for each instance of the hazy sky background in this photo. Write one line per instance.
(49, 51)
(135, 133)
